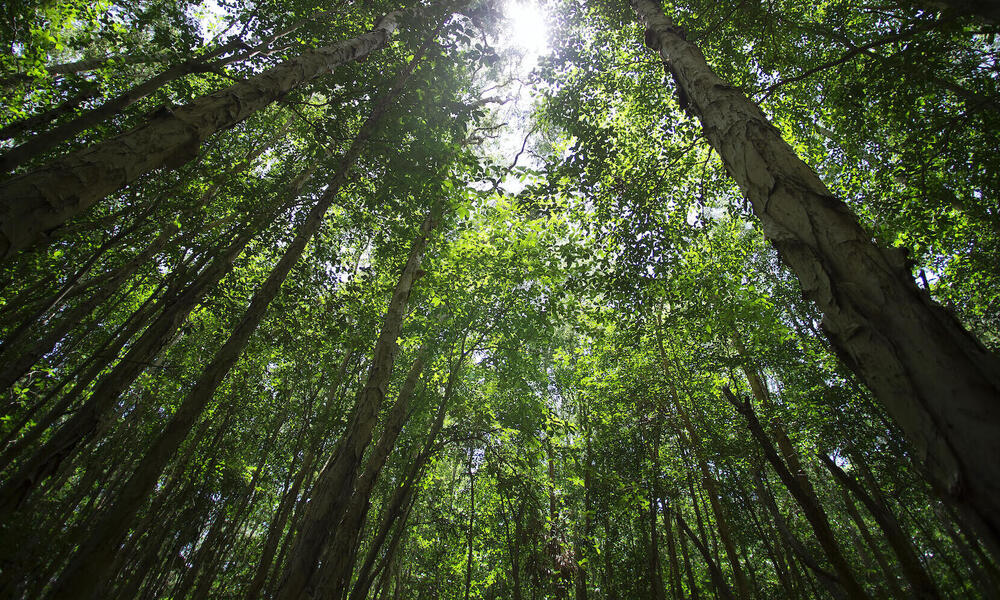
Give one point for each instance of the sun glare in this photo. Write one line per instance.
(526, 25)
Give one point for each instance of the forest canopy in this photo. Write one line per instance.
(482, 299)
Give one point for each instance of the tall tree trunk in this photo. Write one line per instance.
(333, 579)
(718, 580)
(90, 562)
(921, 584)
(470, 532)
(40, 200)
(337, 479)
(404, 494)
(44, 142)
(85, 422)
(808, 501)
(743, 589)
(827, 580)
(936, 380)
(873, 548)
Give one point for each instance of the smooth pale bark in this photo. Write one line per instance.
(936, 381)
(43, 199)
(921, 585)
(811, 507)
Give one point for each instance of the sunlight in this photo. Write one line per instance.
(527, 28)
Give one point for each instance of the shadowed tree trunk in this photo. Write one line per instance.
(90, 562)
(42, 199)
(337, 480)
(806, 499)
(921, 585)
(936, 380)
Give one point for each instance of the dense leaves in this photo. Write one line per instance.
(602, 382)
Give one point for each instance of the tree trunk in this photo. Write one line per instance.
(718, 580)
(45, 198)
(84, 422)
(921, 584)
(827, 580)
(811, 507)
(472, 520)
(937, 381)
(44, 142)
(404, 494)
(40, 120)
(337, 479)
(81, 576)
(743, 590)
(332, 581)
(873, 548)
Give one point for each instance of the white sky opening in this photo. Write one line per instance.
(528, 31)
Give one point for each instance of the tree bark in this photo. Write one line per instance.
(828, 580)
(332, 581)
(921, 585)
(808, 501)
(404, 494)
(936, 380)
(43, 199)
(338, 477)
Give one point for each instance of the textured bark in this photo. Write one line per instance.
(921, 585)
(338, 478)
(936, 381)
(332, 581)
(806, 499)
(40, 200)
